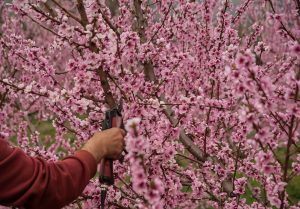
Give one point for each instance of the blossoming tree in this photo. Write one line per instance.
(210, 91)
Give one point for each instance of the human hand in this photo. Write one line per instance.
(106, 144)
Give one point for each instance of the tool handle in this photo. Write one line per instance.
(106, 172)
(106, 165)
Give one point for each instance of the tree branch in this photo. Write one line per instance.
(84, 19)
(150, 75)
(67, 12)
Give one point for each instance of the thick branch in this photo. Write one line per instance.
(82, 12)
(140, 26)
(109, 99)
(150, 75)
(113, 6)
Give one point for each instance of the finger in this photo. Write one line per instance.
(119, 156)
(123, 133)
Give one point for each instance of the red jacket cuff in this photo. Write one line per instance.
(88, 158)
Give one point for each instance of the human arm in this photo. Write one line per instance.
(34, 183)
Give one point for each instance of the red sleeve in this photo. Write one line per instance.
(34, 183)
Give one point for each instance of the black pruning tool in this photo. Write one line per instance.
(113, 118)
